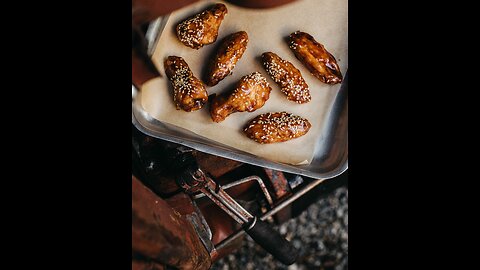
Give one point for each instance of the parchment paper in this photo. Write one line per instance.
(325, 20)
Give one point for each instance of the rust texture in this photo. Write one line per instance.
(279, 183)
(142, 265)
(181, 203)
(215, 165)
(281, 190)
(162, 234)
(230, 248)
(221, 224)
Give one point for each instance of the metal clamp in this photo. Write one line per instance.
(245, 180)
(197, 181)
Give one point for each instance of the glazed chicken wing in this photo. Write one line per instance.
(276, 127)
(287, 76)
(189, 93)
(202, 28)
(250, 94)
(229, 52)
(315, 57)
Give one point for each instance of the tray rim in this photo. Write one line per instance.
(242, 157)
(154, 30)
(231, 153)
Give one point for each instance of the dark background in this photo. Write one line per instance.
(67, 197)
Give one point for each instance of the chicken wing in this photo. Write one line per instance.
(315, 57)
(229, 52)
(202, 28)
(287, 76)
(276, 127)
(189, 93)
(250, 94)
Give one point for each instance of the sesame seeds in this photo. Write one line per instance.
(181, 82)
(297, 40)
(188, 92)
(250, 93)
(293, 45)
(222, 65)
(287, 77)
(276, 127)
(245, 93)
(191, 31)
(195, 32)
(257, 79)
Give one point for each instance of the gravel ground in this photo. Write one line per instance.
(320, 233)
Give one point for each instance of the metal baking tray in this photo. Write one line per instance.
(331, 153)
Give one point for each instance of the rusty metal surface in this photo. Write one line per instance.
(281, 188)
(142, 265)
(162, 234)
(221, 224)
(222, 199)
(215, 165)
(278, 182)
(228, 249)
(181, 203)
(202, 232)
(195, 180)
(243, 181)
